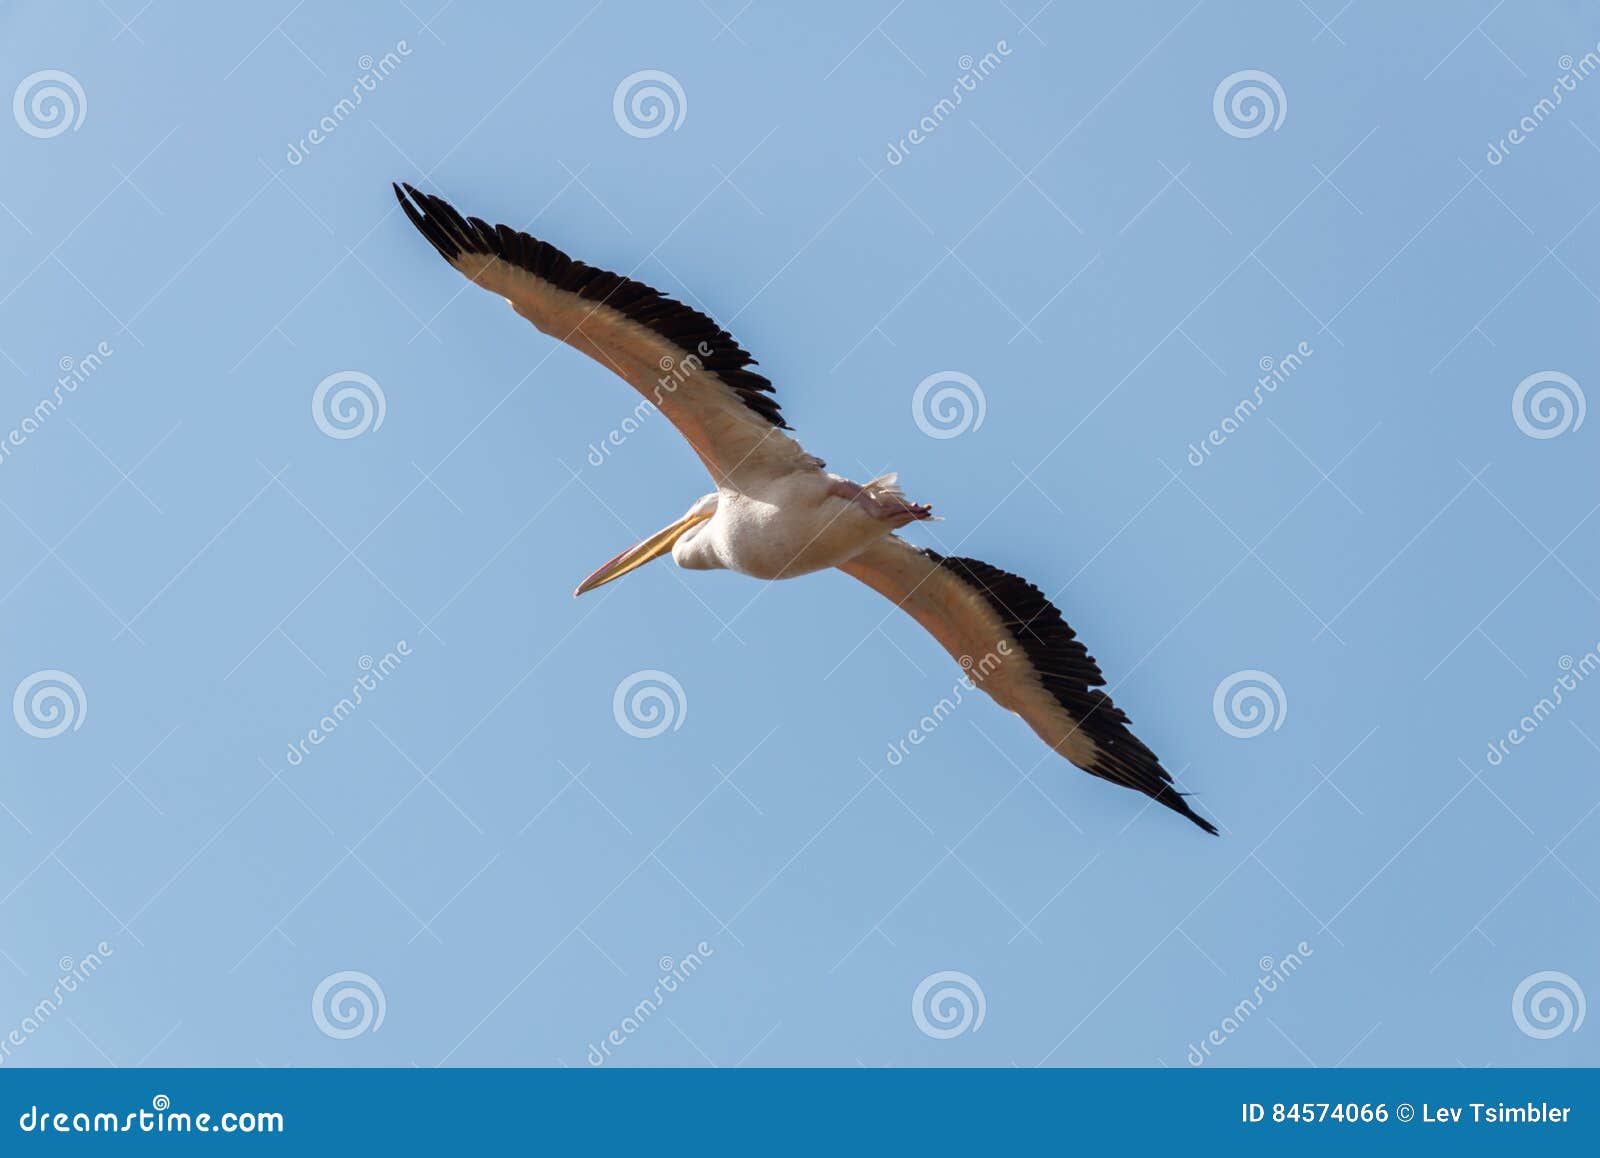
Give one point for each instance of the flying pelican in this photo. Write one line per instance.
(776, 513)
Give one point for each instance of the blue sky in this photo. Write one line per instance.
(1109, 261)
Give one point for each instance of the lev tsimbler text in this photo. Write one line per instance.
(1472, 1113)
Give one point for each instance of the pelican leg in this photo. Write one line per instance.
(887, 505)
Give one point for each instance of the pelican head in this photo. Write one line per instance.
(669, 537)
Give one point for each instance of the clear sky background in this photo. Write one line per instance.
(1085, 241)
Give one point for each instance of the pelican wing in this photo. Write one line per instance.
(679, 359)
(1015, 646)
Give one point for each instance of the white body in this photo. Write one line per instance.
(792, 525)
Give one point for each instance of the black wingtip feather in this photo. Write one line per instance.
(1176, 801)
(1070, 674)
(694, 333)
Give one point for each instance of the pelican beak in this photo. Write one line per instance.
(635, 557)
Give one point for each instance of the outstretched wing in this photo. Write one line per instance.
(679, 359)
(1015, 646)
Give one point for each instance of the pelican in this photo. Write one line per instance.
(777, 513)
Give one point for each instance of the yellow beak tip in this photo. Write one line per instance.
(634, 557)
